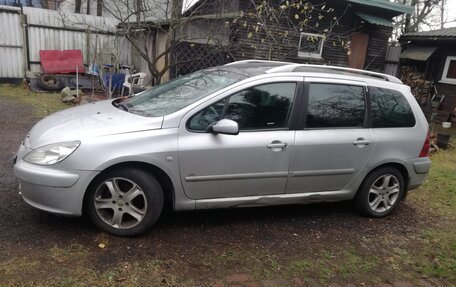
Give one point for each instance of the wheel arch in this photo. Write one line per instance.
(162, 177)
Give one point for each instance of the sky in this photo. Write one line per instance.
(188, 3)
(451, 7)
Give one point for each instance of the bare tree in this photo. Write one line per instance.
(421, 16)
(155, 28)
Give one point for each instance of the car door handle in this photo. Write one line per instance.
(277, 144)
(361, 141)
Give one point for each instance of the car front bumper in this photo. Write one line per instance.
(52, 189)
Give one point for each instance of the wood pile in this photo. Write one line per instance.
(421, 88)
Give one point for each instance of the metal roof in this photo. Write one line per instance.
(445, 33)
(395, 8)
(386, 5)
(418, 53)
(374, 19)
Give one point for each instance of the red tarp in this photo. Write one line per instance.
(61, 62)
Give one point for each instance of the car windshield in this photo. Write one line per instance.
(176, 94)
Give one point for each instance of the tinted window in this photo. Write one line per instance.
(262, 107)
(390, 109)
(333, 105)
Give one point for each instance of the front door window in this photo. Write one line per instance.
(259, 108)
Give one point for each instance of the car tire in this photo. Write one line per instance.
(50, 83)
(380, 192)
(124, 201)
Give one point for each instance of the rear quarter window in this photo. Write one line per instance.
(390, 109)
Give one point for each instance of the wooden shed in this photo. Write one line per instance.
(349, 33)
(432, 54)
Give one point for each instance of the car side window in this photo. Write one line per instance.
(262, 107)
(335, 106)
(390, 109)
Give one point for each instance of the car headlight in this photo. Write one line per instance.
(51, 154)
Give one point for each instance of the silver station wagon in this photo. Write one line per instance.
(250, 133)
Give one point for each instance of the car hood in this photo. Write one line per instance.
(90, 120)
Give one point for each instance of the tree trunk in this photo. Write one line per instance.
(88, 7)
(408, 18)
(77, 6)
(442, 14)
(138, 9)
(99, 7)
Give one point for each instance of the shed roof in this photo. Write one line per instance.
(445, 33)
(374, 19)
(393, 8)
(418, 53)
(386, 5)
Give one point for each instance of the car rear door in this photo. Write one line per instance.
(335, 141)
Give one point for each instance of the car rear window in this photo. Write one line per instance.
(390, 109)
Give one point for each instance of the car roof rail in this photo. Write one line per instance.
(257, 61)
(291, 68)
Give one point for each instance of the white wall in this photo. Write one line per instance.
(12, 63)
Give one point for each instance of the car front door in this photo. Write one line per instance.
(254, 162)
(335, 142)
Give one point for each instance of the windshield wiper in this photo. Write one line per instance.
(120, 104)
(123, 106)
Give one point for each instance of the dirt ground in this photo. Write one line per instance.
(312, 245)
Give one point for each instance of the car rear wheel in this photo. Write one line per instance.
(124, 202)
(380, 192)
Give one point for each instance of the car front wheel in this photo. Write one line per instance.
(380, 192)
(124, 201)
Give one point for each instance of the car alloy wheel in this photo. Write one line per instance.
(380, 192)
(384, 193)
(124, 201)
(120, 202)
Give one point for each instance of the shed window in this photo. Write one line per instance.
(310, 45)
(449, 71)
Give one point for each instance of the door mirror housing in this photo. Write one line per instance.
(224, 126)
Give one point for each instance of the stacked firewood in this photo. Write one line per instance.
(421, 88)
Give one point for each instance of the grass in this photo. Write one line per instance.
(43, 103)
(437, 198)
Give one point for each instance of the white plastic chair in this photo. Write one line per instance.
(137, 79)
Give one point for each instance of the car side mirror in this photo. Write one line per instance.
(225, 126)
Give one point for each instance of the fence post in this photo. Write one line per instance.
(25, 42)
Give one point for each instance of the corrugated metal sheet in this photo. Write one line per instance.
(11, 42)
(418, 53)
(56, 30)
(445, 33)
(392, 60)
(386, 5)
(375, 20)
(52, 30)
